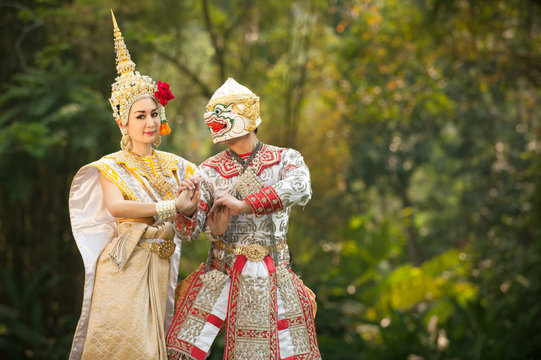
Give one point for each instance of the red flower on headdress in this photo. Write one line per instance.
(163, 93)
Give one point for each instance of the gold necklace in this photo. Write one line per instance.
(156, 178)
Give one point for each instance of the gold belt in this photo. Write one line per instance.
(164, 249)
(146, 220)
(253, 252)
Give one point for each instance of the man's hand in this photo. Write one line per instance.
(236, 207)
(218, 220)
(188, 196)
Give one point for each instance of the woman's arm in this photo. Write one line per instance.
(119, 207)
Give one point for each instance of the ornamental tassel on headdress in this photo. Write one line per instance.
(164, 128)
(131, 86)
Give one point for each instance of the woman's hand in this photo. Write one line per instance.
(190, 183)
(188, 196)
(235, 206)
(218, 220)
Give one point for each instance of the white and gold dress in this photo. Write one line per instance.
(131, 265)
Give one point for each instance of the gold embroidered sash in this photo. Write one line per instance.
(131, 232)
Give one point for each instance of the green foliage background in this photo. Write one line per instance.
(419, 120)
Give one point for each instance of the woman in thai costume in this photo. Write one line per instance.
(122, 208)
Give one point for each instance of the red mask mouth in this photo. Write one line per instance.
(215, 125)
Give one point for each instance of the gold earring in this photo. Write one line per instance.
(158, 141)
(125, 142)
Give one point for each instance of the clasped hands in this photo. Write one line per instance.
(224, 206)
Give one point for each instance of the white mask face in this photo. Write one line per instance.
(225, 124)
(233, 111)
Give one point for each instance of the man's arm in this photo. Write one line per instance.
(293, 189)
(187, 227)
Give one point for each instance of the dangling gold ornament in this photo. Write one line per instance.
(125, 141)
(158, 141)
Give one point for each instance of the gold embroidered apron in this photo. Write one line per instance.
(128, 303)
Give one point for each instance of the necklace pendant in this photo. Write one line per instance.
(248, 183)
(161, 184)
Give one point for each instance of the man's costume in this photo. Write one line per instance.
(246, 286)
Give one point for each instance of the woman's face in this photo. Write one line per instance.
(143, 122)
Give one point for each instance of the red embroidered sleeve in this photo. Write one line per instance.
(203, 206)
(186, 225)
(265, 201)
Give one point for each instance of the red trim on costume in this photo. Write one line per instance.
(232, 312)
(176, 347)
(308, 319)
(187, 302)
(203, 206)
(266, 201)
(269, 264)
(198, 353)
(294, 357)
(239, 263)
(290, 167)
(233, 333)
(227, 167)
(299, 320)
(215, 320)
(185, 224)
(274, 340)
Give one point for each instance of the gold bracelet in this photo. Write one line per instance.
(166, 209)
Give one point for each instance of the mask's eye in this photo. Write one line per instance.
(217, 111)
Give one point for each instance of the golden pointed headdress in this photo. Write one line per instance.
(130, 85)
(124, 65)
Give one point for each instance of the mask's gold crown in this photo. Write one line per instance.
(244, 104)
